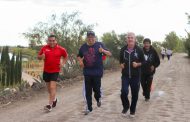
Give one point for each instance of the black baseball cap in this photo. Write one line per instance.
(90, 33)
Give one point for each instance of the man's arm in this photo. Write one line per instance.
(65, 57)
(103, 50)
(80, 58)
(64, 61)
(106, 52)
(157, 59)
(142, 59)
(41, 54)
(121, 60)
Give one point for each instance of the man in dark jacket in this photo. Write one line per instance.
(152, 61)
(90, 59)
(131, 59)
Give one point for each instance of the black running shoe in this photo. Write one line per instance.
(48, 108)
(147, 99)
(99, 104)
(54, 103)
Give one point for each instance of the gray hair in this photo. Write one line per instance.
(130, 33)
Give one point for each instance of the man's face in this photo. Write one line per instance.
(147, 45)
(131, 40)
(91, 40)
(52, 41)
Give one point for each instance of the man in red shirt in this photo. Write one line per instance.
(52, 54)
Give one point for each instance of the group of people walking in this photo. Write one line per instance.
(166, 52)
(138, 67)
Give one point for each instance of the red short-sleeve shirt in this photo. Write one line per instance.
(52, 57)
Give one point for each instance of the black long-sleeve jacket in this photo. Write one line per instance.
(128, 58)
(151, 59)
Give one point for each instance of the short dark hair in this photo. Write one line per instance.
(52, 36)
(146, 40)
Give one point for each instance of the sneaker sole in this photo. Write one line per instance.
(86, 113)
(132, 116)
(124, 115)
(48, 110)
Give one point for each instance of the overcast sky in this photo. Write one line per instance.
(151, 18)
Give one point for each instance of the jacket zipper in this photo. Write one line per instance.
(129, 65)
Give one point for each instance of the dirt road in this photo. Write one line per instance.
(170, 100)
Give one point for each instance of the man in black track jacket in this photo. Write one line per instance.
(131, 59)
(152, 61)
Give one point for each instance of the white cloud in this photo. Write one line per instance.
(152, 18)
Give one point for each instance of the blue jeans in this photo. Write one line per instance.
(134, 83)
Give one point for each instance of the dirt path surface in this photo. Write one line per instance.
(170, 100)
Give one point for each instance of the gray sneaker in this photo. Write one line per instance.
(132, 115)
(87, 112)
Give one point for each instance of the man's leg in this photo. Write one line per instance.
(135, 84)
(52, 92)
(168, 57)
(97, 89)
(46, 78)
(88, 92)
(143, 84)
(124, 94)
(149, 83)
(48, 87)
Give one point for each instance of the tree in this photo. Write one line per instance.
(20, 68)
(187, 40)
(5, 63)
(122, 39)
(12, 75)
(187, 44)
(157, 45)
(173, 42)
(110, 39)
(17, 69)
(140, 39)
(68, 28)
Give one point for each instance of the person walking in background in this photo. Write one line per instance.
(163, 53)
(131, 60)
(52, 54)
(90, 59)
(168, 53)
(152, 61)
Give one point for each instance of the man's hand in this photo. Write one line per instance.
(42, 56)
(61, 65)
(101, 50)
(152, 68)
(61, 69)
(81, 64)
(135, 64)
(122, 66)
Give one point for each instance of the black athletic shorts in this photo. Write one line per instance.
(47, 77)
